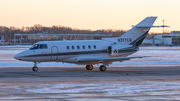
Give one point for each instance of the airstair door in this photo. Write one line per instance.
(54, 53)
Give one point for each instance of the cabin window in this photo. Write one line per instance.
(73, 47)
(83, 47)
(67, 47)
(94, 46)
(89, 46)
(45, 46)
(41, 46)
(78, 47)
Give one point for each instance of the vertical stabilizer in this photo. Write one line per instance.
(136, 35)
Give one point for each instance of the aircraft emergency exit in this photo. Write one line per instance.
(89, 52)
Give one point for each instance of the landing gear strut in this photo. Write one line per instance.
(102, 68)
(89, 67)
(35, 68)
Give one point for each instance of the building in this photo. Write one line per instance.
(172, 38)
(33, 38)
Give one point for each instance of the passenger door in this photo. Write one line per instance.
(54, 53)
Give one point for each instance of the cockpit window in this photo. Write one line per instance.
(34, 47)
(39, 46)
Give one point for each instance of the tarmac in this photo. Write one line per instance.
(158, 79)
(76, 83)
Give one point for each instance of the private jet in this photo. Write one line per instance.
(90, 52)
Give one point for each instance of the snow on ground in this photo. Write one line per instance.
(10, 51)
(106, 88)
(23, 46)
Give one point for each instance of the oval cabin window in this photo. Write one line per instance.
(67, 47)
(94, 46)
(73, 47)
(83, 47)
(89, 46)
(78, 47)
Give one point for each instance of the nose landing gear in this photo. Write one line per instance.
(35, 68)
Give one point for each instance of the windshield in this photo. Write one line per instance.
(38, 46)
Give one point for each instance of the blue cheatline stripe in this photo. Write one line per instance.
(69, 53)
(130, 49)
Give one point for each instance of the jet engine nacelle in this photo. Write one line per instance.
(118, 50)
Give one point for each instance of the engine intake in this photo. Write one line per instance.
(119, 50)
(109, 50)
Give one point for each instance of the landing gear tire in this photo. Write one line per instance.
(89, 67)
(102, 68)
(35, 69)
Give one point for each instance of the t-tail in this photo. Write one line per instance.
(136, 35)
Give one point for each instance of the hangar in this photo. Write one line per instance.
(172, 38)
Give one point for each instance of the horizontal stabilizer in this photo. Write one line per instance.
(151, 26)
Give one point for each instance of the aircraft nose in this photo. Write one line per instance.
(21, 56)
(17, 57)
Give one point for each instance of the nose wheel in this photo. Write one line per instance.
(89, 67)
(35, 68)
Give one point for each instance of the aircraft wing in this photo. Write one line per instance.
(107, 59)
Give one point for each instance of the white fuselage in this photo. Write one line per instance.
(72, 51)
(89, 52)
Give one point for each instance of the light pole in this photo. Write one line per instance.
(163, 33)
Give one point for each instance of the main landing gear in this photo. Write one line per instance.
(89, 67)
(35, 68)
(101, 68)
